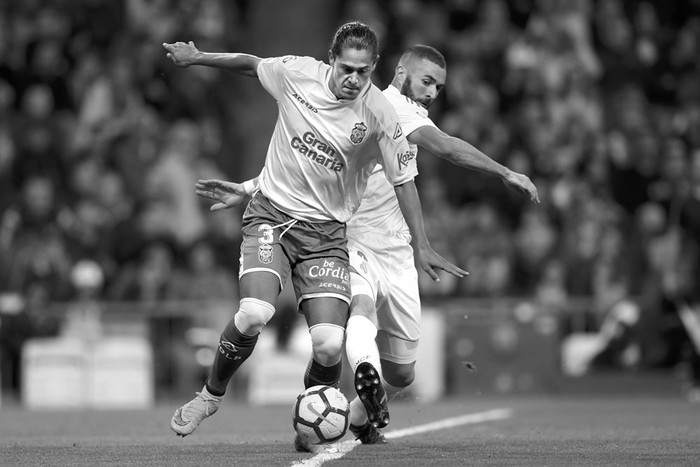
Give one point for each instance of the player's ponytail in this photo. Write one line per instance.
(354, 35)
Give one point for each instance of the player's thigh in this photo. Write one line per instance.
(399, 307)
(270, 258)
(399, 317)
(364, 283)
(364, 305)
(263, 285)
(324, 310)
(323, 280)
(264, 266)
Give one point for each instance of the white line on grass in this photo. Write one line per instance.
(338, 450)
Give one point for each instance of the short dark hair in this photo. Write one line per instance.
(428, 53)
(354, 35)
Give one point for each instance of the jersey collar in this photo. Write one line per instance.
(391, 89)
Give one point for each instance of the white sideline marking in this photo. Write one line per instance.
(469, 419)
(338, 450)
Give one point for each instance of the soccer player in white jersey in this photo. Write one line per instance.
(386, 306)
(333, 127)
(384, 327)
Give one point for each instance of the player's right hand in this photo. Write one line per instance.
(428, 260)
(181, 53)
(523, 184)
(226, 194)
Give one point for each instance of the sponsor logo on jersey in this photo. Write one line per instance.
(305, 103)
(398, 131)
(318, 151)
(329, 269)
(358, 133)
(404, 158)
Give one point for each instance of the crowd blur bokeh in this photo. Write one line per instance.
(101, 142)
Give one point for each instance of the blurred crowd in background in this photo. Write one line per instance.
(598, 101)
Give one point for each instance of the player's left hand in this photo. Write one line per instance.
(522, 183)
(227, 194)
(429, 260)
(181, 53)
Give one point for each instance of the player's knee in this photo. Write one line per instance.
(399, 375)
(327, 343)
(253, 315)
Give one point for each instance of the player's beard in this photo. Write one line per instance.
(407, 90)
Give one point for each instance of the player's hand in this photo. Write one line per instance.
(429, 260)
(181, 53)
(226, 194)
(523, 184)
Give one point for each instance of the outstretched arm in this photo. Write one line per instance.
(407, 195)
(186, 54)
(463, 154)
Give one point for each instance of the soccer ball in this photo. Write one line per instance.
(320, 415)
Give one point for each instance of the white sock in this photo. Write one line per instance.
(359, 342)
(360, 347)
(207, 395)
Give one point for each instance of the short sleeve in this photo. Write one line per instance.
(398, 160)
(412, 116)
(273, 71)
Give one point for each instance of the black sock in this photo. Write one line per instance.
(234, 349)
(317, 374)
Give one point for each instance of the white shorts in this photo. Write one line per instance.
(382, 267)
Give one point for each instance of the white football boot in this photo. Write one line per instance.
(188, 417)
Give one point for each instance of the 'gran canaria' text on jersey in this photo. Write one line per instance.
(318, 151)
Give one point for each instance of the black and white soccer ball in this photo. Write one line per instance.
(320, 415)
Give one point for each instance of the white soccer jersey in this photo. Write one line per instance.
(323, 149)
(379, 209)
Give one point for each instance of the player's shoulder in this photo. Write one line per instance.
(379, 105)
(402, 103)
(297, 64)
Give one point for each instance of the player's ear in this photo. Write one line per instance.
(374, 65)
(331, 57)
(400, 73)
